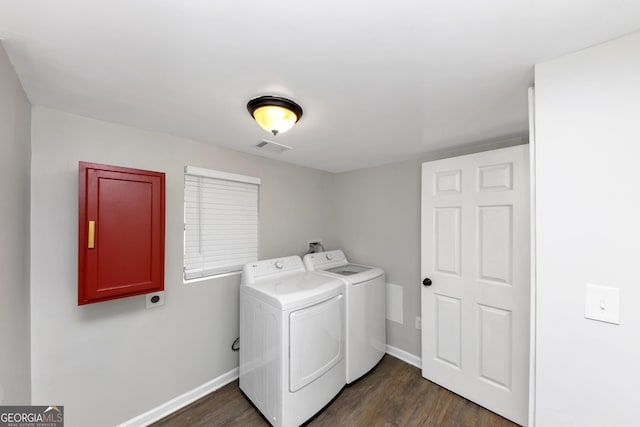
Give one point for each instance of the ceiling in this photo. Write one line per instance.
(380, 81)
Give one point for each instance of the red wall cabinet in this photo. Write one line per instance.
(120, 232)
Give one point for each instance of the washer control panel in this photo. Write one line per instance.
(324, 260)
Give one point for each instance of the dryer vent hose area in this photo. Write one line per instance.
(236, 345)
(315, 247)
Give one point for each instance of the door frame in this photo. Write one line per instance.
(532, 242)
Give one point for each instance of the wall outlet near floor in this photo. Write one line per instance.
(155, 299)
(418, 322)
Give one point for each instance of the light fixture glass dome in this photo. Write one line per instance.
(275, 119)
(274, 114)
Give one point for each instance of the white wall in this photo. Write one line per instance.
(15, 163)
(378, 223)
(111, 361)
(588, 231)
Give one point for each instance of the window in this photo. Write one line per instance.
(220, 222)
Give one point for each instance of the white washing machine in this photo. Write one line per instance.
(292, 339)
(366, 300)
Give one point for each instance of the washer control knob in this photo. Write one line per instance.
(329, 257)
(279, 265)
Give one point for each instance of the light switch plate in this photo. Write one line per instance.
(602, 303)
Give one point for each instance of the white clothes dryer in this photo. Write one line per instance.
(292, 339)
(366, 300)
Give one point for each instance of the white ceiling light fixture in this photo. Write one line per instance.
(274, 114)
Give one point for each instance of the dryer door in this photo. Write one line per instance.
(316, 341)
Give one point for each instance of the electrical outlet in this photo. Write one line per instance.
(418, 322)
(155, 299)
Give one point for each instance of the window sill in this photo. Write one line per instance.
(215, 276)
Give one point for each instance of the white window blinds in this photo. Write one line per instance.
(221, 222)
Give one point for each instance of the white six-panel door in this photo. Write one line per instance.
(475, 251)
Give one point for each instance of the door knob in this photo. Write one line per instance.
(427, 281)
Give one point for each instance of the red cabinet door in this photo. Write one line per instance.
(121, 232)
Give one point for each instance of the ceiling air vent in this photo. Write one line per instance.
(274, 147)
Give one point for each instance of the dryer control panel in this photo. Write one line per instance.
(255, 271)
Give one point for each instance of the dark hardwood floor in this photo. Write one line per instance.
(393, 394)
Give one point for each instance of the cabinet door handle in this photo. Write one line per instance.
(92, 234)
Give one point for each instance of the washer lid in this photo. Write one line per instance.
(355, 274)
(295, 290)
(349, 269)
